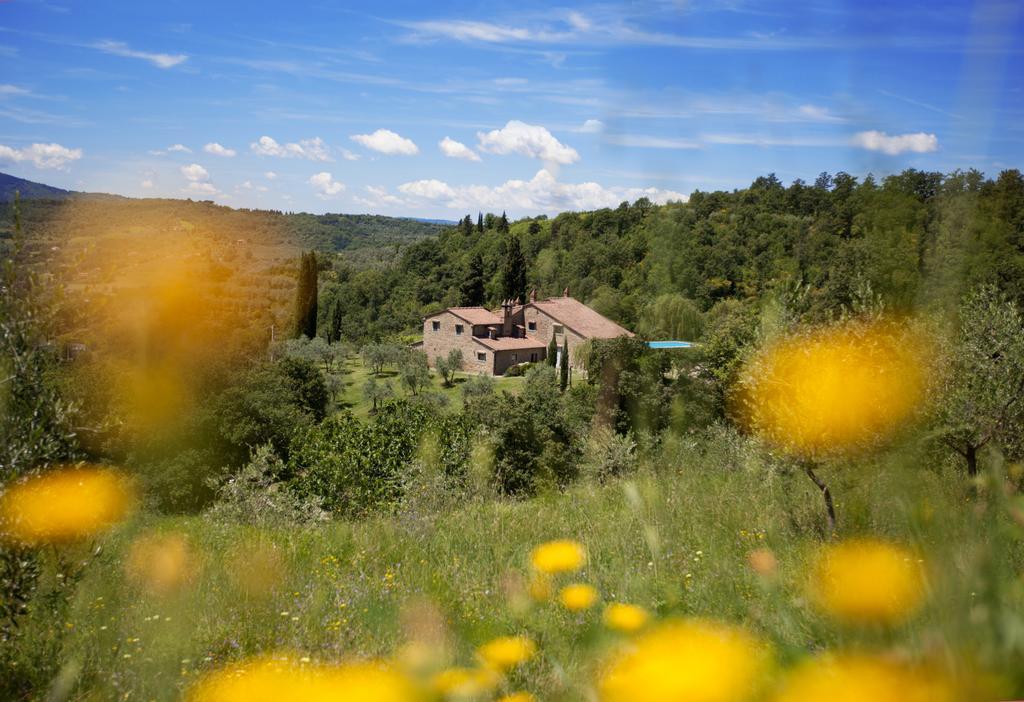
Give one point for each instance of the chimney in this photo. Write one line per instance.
(533, 295)
(506, 318)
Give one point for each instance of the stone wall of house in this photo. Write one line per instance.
(441, 342)
(545, 329)
(503, 360)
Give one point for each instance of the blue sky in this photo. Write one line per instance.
(446, 108)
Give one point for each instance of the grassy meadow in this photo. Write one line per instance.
(166, 599)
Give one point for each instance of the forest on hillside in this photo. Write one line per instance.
(912, 240)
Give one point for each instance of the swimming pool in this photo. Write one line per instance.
(670, 344)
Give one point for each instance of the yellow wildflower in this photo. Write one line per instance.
(518, 697)
(856, 678)
(276, 680)
(506, 652)
(162, 564)
(834, 389)
(465, 682)
(562, 556)
(867, 582)
(577, 597)
(692, 660)
(623, 617)
(64, 505)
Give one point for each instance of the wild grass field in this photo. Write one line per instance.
(716, 530)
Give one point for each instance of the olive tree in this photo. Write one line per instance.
(981, 399)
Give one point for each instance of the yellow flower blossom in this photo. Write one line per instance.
(518, 697)
(64, 505)
(562, 556)
(577, 597)
(693, 660)
(867, 582)
(506, 652)
(162, 564)
(857, 678)
(465, 682)
(834, 389)
(623, 617)
(285, 680)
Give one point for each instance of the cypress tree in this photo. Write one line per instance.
(563, 371)
(472, 290)
(503, 224)
(480, 221)
(513, 281)
(306, 296)
(552, 352)
(334, 324)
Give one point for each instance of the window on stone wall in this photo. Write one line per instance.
(532, 326)
(559, 329)
(458, 329)
(514, 358)
(436, 326)
(481, 356)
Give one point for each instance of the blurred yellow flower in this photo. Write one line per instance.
(577, 597)
(687, 661)
(506, 652)
(465, 682)
(540, 587)
(860, 678)
(162, 564)
(867, 582)
(562, 556)
(623, 617)
(284, 680)
(834, 389)
(518, 697)
(64, 505)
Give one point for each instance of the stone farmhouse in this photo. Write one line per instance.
(493, 341)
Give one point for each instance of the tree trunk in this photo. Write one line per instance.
(971, 454)
(830, 510)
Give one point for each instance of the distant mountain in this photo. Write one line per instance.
(29, 190)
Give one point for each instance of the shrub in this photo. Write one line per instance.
(257, 496)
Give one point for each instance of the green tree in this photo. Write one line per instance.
(563, 370)
(982, 398)
(448, 365)
(513, 281)
(480, 222)
(472, 289)
(414, 371)
(503, 224)
(334, 324)
(552, 355)
(306, 296)
(376, 392)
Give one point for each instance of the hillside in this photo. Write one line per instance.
(28, 189)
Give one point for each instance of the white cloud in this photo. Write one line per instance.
(379, 197)
(531, 140)
(313, 149)
(591, 126)
(542, 193)
(325, 185)
(43, 156)
(201, 188)
(642, 141)
(348, 155)
(119, 48)
(179, 147)
(269, 175)
(387, 142)
(815, 113)
(8, 89)
(147, 184)
(248, 185)
(918, 142)
(431, 189)
(456, 149)
(218, 150)
(195, 173)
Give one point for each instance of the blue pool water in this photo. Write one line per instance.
(670, 344)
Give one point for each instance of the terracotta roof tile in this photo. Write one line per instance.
(510, 343)
(580, 318)
(473, 315)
